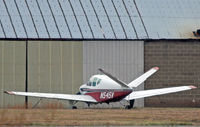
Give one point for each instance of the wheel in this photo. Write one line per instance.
(74, 107)
(131, 104)
(128, 107)
(88, 105)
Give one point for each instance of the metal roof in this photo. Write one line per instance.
(99, 19)
(170, 18)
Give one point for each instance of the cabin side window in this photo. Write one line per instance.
(94, 83)
(89, 83)
(98, 81)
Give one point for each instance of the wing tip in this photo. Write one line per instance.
(156, 68)
(8, 92)
(192, 87)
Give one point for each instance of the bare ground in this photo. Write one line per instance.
(106, 117)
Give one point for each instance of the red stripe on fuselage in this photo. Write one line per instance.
(109, 95)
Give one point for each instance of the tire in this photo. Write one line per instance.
(74, 107)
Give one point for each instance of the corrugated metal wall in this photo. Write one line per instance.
(12, 71)
(61, 66)
(123, 59)
(55, 67)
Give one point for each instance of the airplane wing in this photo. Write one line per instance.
(83, 98)
(154, 92)
(113, 78)
(143, 77)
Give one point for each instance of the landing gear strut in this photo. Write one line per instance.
(36, 104)
(88, 105)
(72, 104)
(131, 104)
(74, 107)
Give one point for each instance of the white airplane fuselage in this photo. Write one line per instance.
(103, 89)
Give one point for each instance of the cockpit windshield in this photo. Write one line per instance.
(94, 81)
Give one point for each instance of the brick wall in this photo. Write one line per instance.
(179, 64)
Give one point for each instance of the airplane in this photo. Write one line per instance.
(106, 88)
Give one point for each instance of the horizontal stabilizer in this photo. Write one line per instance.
(142, 78)
(83, 98)
(154, 92)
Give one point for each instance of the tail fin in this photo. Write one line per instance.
(142, 78)
(113, 78)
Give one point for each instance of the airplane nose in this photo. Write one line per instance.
(82, 87)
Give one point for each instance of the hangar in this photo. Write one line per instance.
(56, 45)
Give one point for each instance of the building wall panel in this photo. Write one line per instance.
(54, 67)
(12, 71)
(179, 66)
(123, 59)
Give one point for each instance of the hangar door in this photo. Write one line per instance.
(54, 67)
(12, 71)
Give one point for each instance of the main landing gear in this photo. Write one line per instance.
(74, 107)
(131, 102)
(72, 104)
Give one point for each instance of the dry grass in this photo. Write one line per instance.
(143, 116)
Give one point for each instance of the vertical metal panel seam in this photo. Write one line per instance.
(86, 18)
(65, 19)
(140, 17)
(97, 17)
(61, 67)
(142, 45)
(83, 65)
(14, 70)
(54, 18)
(39, 71)
(3, 29)
(50, 63)
(21, 18)
(119, 18)
(43, 18)
(130, 19)
(10, 18)
(72, 72)
(26, 69)
(32, 19)
(2, 74)
(108, 19)
(76, 18)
